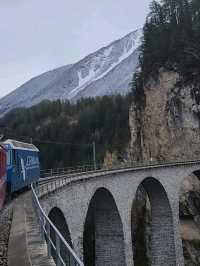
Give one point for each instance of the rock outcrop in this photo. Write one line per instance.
(165, 126)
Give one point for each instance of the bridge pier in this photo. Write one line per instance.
(176, 223)
(128, 241)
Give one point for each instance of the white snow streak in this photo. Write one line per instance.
(83, 82)
(87, 78)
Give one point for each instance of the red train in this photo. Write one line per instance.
(2, 175)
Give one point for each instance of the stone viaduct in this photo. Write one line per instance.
(94, 213)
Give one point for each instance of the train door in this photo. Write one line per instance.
(15, 175)
(9, 168)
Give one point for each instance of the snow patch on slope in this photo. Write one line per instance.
(126, 54)
(82, 83)
(84, 80)
(133, 42)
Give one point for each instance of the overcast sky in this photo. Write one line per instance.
(39, 35)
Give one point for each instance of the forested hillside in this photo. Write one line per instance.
(168, 81)
(165, 113)
(171, 40)
(64, 132)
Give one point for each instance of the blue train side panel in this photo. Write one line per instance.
(28, 169)
(23, 165)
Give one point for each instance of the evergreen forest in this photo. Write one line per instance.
(171, 41)
(65, 132)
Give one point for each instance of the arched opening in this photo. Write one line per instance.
(189, 213)
(103, 239)
(140, 221)
(152, 226)
(58, 219)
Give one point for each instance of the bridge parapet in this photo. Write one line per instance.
(54, 179)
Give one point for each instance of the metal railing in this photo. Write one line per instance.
(57, 246)
(69, 170)
(60, 178)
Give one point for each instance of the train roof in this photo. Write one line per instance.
(18, 145)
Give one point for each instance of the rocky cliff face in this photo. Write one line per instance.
(165, 126)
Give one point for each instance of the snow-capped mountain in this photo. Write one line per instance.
(106, 71)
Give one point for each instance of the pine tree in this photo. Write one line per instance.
(171, 39)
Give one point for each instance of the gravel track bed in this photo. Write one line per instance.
(5, 226)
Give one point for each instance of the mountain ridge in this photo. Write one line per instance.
(106, 71)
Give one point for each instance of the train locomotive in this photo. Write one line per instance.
(22, 166)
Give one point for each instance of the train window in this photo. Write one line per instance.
(8, 157)
(14, 157)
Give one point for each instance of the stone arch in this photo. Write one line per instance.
(189, 214)
(153, 232)
(58, 219)
(103, 238)
(197, 173)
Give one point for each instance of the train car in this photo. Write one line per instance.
(23, 166)
(2, 175)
